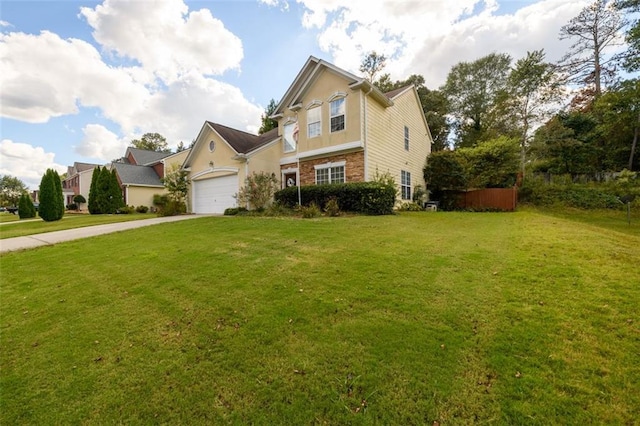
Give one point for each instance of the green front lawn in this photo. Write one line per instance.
(459, 318)
(69, 221)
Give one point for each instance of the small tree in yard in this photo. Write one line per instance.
(116, 200)
(26, 210)
(79, 199)
(176, 182)
(258, 190)
(51, 201)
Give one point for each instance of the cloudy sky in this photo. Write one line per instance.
(80, 79)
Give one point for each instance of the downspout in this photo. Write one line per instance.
(366, 152)
(246, 175)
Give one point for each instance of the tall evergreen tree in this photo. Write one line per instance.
(26, 210)
(115, 192)
(268, 123)
(50, 197)
(93, 192)
(103, 191)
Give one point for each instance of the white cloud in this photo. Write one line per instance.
(429, 37)
(45, 76)
(164, 37)
(26, 162)
(100, 143)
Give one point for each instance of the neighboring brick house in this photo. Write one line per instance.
(332, 127)
(139, 173)
(78, 182)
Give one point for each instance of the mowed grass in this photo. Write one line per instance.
(69, 221)
(459, 318)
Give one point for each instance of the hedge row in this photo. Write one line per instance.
(583, 197)
(372, 198)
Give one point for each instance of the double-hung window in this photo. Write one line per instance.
(337, 114)
(405, 184)
(314, 122)
(330, 173)
(406, 138)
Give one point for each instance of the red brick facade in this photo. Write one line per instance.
(353, 169)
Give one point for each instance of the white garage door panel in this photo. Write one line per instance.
(215, 195)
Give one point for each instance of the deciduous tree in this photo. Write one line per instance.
(372, 64)
(474, 90)
(11, 188)
(151, 142)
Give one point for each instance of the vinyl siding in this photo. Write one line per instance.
(385, 138)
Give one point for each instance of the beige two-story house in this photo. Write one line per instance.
(333, 127)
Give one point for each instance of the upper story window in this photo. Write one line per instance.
(405, 184)
(337, 114)
(406, 138)
(290, 137)
(314, 122)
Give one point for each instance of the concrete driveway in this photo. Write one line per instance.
(51, 238)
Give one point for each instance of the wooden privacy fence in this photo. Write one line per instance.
(488, 198)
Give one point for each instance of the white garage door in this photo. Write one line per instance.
(215, 194)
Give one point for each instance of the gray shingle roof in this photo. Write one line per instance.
(144, 157)
(131, 174)
(393, 93)
(243, 142)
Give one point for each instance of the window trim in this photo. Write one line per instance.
(406, 138)
(336, 98)
(330, 166)
(405, 184)
(317, 108)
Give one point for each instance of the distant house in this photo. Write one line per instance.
(333, 127)
(78, 181)
(140, 172)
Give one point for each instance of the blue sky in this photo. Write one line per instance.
(80, 79)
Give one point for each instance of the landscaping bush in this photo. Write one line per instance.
(258, 190)
(79, 199)
(125, 210)
(310, 211)
(584, 196)
(172, 208)
(142, 209)
(72, 206)
(332, 208)
(232, 211)
(26, 210)
(410, 207)
(372, 198)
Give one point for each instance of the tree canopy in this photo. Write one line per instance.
(151, 142)
(267, 122)
(11, 188)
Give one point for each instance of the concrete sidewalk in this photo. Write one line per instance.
(50, 238)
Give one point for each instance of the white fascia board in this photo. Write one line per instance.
(214, 170)
(289, 160)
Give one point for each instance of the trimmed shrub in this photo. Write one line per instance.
(125, 210)
(360, 197)
(26, 210)
(142, 209)
(232, 211)
(79, 199)
(72, 206)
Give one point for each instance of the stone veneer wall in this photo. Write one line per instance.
(354, 167)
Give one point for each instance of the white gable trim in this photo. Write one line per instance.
(214, 170)
(314, 103)
(336, 95)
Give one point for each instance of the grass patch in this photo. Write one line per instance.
(69, 221)
(8, 217)
(408, 319)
